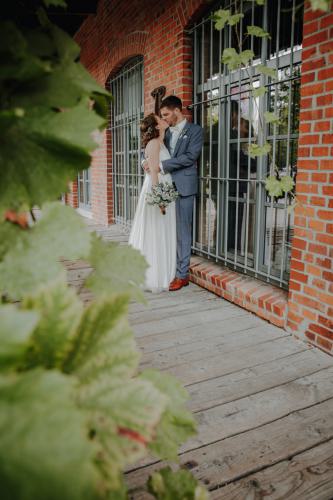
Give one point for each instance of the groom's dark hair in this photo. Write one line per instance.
(172, 102)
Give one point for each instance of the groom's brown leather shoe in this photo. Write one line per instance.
(178, 283)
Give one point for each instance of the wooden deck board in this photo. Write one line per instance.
(263, 400)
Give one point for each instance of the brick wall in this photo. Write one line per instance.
(120, 31)
(311, 282)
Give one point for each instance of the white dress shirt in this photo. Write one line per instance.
(175, 133)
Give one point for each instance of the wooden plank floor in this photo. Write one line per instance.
(262, 399)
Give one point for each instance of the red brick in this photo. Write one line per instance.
(319, 177)
(326, 47)
(327, 139)
(328, 190)
(324, 100)
(327, 21)
(325, 215)
(319, 249)
(322, 126)
(322, 36)
(325, 74)
(325, 344)
(320, 151)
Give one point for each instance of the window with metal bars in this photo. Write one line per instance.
(126, 113)
(84, 189)
(236, 222)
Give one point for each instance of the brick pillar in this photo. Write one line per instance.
(311, 289)
(71, 198)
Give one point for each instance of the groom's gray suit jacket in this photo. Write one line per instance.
(183, 163)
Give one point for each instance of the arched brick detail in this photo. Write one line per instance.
(189, 12)
(121, 50)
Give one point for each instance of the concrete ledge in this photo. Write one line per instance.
(263, 299)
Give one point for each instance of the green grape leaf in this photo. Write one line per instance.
(177, 423)
(258, 91)
(33, 259)
(323, 5)
(124, 411)
(117, 269)
(287, 183)
(103, 342)
(234, 59)
(124, 415)
(180, 485)
(9, 233)
(44, 447)
(246, 56)
(60, 311)
(54, 147)
(273, 186)
(15, 329)
(256, 150)
(221, 17)
(234, 19)
(271, 117)
(17, 63)
(265, 70)
(257, 31)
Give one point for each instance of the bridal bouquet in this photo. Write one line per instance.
(162, 194)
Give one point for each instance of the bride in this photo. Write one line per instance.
(153, 233)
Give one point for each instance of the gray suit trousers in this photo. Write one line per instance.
(184, 217)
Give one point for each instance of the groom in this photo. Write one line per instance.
(184, 142)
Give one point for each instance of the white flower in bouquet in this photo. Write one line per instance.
(162, 194)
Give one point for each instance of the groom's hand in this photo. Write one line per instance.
(145, 165)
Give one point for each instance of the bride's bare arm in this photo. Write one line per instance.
(153, 158)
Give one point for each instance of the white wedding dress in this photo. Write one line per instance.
(154, 235)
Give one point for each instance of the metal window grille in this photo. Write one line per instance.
(235, 221)
(84, 189)
(126, 113)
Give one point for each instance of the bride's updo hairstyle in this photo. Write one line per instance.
(148, 129)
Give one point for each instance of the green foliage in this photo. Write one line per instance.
(32, 260)
(108, 259)
(273, 186)
(181, 485)
(223, 17)
(177, 424)
(256, 150)
(59, 312)
(258, 91)
(323, 5)
(45, 109)
(271, 117)
(44, 451)
(265, 70)
(276, 187)
(15, 328)
(257, 31)
(234, 59)
(234, 19)
(287, 183)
